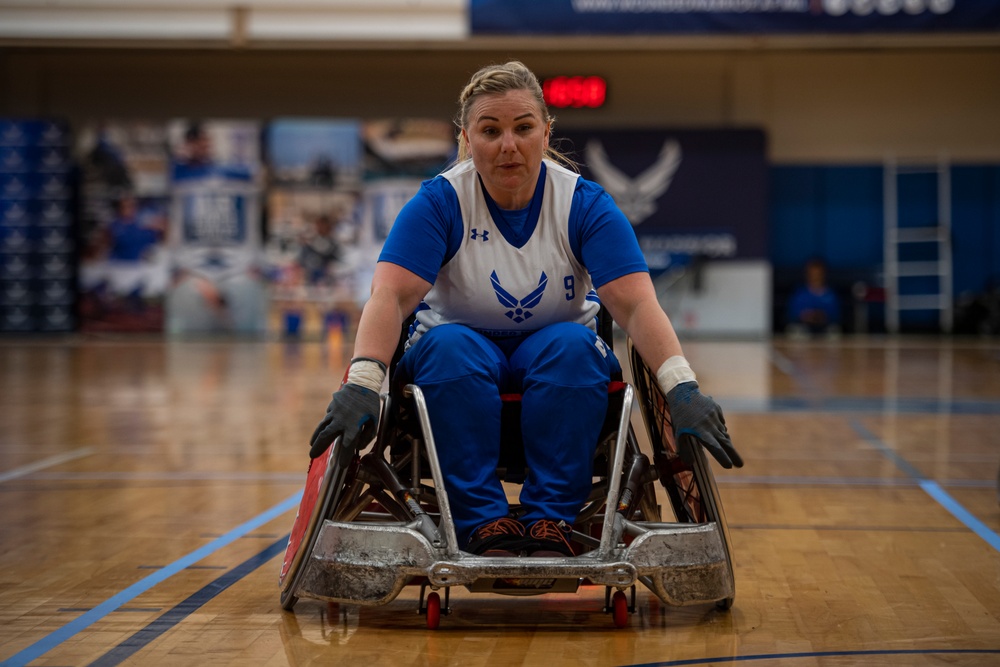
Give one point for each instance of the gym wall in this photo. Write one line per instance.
(832, 114)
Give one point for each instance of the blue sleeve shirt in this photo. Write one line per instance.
(428, 232)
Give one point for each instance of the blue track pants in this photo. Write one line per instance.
(562, 372)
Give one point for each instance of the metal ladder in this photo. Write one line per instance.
(934, 236)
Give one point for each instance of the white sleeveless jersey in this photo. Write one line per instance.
(501, 290)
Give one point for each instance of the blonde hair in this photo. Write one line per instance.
(499, 79)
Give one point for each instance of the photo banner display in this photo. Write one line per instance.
(215, 241)
(336, 186)
(315, 167)
(650, 17)
(689, 194)
(124, 214)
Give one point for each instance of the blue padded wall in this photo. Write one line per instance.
(835, 212)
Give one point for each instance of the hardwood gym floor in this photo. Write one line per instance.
(147, 488)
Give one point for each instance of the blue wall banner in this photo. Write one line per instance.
(689, 194)
(650, 17)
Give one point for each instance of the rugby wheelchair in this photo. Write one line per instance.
(373, 521)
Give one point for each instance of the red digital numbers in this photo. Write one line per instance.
(575, 91)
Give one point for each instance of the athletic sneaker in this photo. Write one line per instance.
(502, 537)
(550, 539)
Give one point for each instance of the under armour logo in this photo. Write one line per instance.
(475, 235)
(519, 309)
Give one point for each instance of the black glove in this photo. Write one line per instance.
(353, 413)
(696, 416)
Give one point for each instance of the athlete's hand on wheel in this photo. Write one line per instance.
(353, 414)
(696, 416)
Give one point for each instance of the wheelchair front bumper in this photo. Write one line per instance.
(370, 563)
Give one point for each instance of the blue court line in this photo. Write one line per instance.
(255, 536)
(930, 487)
(806, 480)
(192, 567)
(159, 476)
(862, 529)
(975, 525)
(193, 603)
(817, 654)
(862, 404)
(87, 619)
(120, 610)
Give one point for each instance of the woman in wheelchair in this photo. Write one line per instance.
(505, 259)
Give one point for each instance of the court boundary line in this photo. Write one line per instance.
(173, 616)
(866, 482)
(82, 622)
(182, 475)
(814, 401)
(930, 487)
(817, 654)
(55, 460)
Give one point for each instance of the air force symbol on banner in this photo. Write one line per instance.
(519, 309)
(636, 197)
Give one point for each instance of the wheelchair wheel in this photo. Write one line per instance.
(619, 609)
(324, 486)
(693, 494)
(713, 511)
(433, 611)
(345, 487)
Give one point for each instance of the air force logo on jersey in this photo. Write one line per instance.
(518, 309)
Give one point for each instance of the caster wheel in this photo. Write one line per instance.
(433, 611)
(619, 609)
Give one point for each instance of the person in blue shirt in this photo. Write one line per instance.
(506, 258)
(814, 307)
(130, 240)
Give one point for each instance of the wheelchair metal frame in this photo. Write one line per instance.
(376, 534)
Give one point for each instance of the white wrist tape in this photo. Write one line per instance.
(367, 373)
(674, 371)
